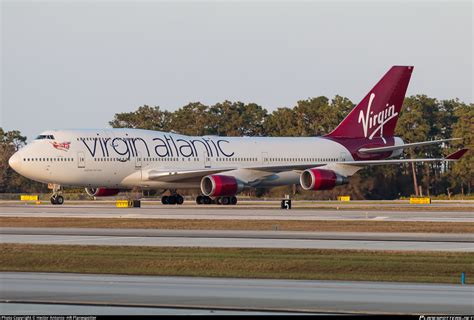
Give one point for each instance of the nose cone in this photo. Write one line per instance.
(15, 162)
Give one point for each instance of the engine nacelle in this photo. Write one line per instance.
(320, 179)
(102, 192)
(217, 185)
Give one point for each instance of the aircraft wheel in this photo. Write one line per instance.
(200, 200)
(172, 200)
(164, 199)
(53, 200)
(225, 200)
(233, 200)
(207, 200)
(179, 199)
(59, 200)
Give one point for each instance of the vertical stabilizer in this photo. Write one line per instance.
(377, 114)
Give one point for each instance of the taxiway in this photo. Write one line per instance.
(422, 213)
(240, 239)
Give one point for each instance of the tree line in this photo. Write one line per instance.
(422, 118)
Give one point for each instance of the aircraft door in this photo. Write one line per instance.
(207, 160)
(138, 163)
(81, 160)
(264, 158)
(342, 156)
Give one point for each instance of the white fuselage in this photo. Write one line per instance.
(124, 158)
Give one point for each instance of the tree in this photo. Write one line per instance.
(309, 118)
(414, 126)
(193, 119)
(237, 119)
(10, 142)
(462, 173)
(145, 117)
(281, 123)
(10, 181)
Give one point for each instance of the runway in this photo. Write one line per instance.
(422, 213)
(240, 239)
(86, 309)
(237, 294)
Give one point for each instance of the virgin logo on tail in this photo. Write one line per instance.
(375, 122)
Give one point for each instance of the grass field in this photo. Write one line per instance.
(323, 225)
(406, 266)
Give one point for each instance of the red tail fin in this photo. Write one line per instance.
(377, 114)
(456, 155)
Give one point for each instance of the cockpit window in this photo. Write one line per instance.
(44, 136)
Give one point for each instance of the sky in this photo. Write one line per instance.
(74, 64)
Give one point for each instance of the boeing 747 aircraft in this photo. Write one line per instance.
(107, 161)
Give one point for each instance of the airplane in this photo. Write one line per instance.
(107, 161)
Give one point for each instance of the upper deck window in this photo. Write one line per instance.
(44, 136)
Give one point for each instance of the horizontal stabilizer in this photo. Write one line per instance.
(452, 157)
(456, 155)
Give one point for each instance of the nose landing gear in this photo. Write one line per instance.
(56, 197)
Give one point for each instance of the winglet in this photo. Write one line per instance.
(456, 155)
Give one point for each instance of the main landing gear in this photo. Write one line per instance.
(219, 200)
(174, 198)
(56, 197)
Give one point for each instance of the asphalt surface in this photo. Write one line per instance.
(252, 234)
(87, 309)
(240, 239)
(445, 213)
(237, 294)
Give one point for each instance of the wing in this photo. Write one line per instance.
(261, 171)
(405, 146)
(178, 175)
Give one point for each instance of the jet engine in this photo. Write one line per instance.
(321, 179)
(102, 192)
(220, 186)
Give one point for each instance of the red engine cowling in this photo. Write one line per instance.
(218, 186)
(102, 192)
(320, 179)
